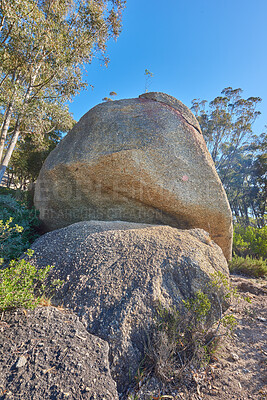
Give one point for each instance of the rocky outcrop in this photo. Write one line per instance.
(140, 160)
(47, 353)
(116, 273)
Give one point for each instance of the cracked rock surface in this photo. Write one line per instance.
(175, 104)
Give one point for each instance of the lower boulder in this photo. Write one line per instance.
(48, 354)
(116, 273)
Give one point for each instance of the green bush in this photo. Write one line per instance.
(22, 285)
(250, 241)
(14, 214)
(185, 338)
(250, 266)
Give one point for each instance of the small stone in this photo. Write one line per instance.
(21, 362)
(234, 357)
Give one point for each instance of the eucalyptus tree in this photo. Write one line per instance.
(227, 124)
(29, 156)
(227, 128)
(44, 46)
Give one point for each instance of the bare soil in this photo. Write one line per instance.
(241, 370)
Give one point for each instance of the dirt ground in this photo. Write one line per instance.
(239, 368)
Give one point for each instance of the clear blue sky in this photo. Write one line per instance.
(194, 49)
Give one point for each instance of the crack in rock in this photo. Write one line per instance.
(177, 105)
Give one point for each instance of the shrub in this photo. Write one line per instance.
(6, 232)
(14, 241)
(250, 266)
(185, 338)
(22, 285)
(250, 241)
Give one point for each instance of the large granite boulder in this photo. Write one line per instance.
(116, 274)
(47, 353)
(140, 160)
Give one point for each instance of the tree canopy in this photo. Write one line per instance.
(238, 154)
(44, 45)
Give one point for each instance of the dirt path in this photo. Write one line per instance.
(239, 368)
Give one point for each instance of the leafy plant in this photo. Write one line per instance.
(5, 232)
(17, 227)
(250, 266)
(186, 337)
(250, 241)
(22, 285)
(44, 47)
(238, 153)
(148, 76)
(112, 94)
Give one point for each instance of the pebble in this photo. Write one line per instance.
(234, 357)
(21, 362)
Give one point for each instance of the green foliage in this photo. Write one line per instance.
(238, 154)
(17, 227)
(148, 76)
(199, 306)
(22, 285)
(186, 337)
(250, 241)
(229, 322)
(6, 191)
(257, 268)
(28, 158)
(6, 232)
(112, 94)
(227, 124)
(222, 286)
(44, 46)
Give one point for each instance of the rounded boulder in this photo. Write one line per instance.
(117, 273)
(139, 160)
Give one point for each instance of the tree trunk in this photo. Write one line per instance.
(2, 172)
(10, 149)
(4, 129)
(16, 133)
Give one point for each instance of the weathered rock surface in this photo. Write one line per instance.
(140, 160)
(116, 273)
(48, 354)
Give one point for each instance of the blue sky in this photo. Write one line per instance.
(193, 48)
